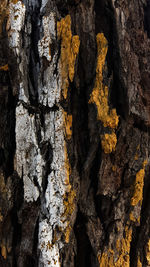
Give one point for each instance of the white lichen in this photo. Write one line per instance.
(16, 23)
(29, 162)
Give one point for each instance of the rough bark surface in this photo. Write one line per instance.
(74, 133)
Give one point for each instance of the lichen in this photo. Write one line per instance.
(108, 142)
(148, 252)
(4, 251)
(68, 125)
(69, 207)
(69, 202)
(67, 233)
(138, 186)
(67, 168)
(139, 264)
(68, 198)
(4, 68)
(123, 249)
(99, 95)
(69, 51)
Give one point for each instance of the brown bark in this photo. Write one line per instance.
(74, 138)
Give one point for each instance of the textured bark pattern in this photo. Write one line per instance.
(74, 139)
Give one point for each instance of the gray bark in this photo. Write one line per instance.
(74, 138)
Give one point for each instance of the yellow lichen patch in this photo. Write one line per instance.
(67, 233)
(132, 218)
(69, 202)
(4, 68)
(68, 125)
(69, 51)
(15, 1)
(4, 252)
(99, 94)
(138, 188)
(139, 264)
(148, 252)
(68, 199)
(114, 168)
(107, 259)
(145, 163)
(123, 249)
(67, 168)
(108, 142)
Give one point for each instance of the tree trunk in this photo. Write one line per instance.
(74, 138)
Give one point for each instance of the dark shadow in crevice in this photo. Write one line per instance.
(147, 18)
(79, 110)
(105, 22)
(84, 249)
(34, 59)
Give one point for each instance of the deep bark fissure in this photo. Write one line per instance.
(64, 199)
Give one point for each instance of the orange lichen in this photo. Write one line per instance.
(67, 233)
(67, 168)
(68, 199)
(132, 217)
(69, 51)
(148, 252)
(108, 142)
(136, 156)
(69, 202)
(4, 68)
(69, 205)
(15, 1)
(99, 94)
(138, 187)
(68, 125)
(123, 249)
(114, 168)
(4, 251)
(139, 264)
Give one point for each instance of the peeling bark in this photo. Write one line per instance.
(74, 140)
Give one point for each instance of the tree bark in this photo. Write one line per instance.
(74, 138)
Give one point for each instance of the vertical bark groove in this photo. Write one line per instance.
(74, 139)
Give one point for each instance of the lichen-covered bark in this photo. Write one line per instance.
(74, 139)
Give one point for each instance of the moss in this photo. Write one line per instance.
(4, 68)
(69, 51)
(108, 142)
(99, 94)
